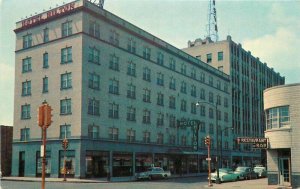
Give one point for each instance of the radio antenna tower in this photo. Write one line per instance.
(99, 3)
(212, 28)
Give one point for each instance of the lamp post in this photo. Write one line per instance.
(222, 142)
(218, 181)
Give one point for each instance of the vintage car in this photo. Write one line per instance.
(153, 173)
(246, 173)
(261, 171)
(225, 174)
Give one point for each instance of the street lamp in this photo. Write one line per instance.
(218, 181)
(221, 157)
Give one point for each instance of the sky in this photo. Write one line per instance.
(267, 28)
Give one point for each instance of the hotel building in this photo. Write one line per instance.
(249, 77)
(116, 92)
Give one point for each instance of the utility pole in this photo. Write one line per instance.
(44, 121)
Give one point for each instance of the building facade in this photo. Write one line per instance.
(6, 137)
(116, 92)
(282, 108)
(249, 77)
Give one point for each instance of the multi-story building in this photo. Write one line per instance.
(282, 107)
(116, 92)
(249, 77)
(6, 137)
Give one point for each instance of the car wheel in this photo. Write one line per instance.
(237, 178)
(165, 176)
(150, 177)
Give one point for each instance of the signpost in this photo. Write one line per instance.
(44, 121)
(260, 143)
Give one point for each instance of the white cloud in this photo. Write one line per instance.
(6, 94)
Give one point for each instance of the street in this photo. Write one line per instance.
(178, 183)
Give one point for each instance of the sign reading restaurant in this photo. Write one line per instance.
(44, 16)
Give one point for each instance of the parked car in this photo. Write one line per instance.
(246, 173)
(153, 173)
(261, 171)
(225, 174)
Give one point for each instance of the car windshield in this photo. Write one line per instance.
(225, 170)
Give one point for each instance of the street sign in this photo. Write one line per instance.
(208, 159)
(256, 142)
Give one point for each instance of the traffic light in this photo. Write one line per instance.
(44, 115)
(65, 144)
(41, 116)
(207, 140)
(48, 116)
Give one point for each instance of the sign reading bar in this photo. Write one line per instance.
(44, 16)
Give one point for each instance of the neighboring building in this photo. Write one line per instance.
(282, 108)
(116, 92)
(6, 137)
(249, 77)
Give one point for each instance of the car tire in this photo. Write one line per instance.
(237, 179)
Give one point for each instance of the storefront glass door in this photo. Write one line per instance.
(284, 171)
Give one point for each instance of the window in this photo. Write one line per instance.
(172, 139)
(131, 113)
(146, 74)
(208, 58)
(25, 111)
(172, 121)
(46, 35)
(219, 115)
(131, 91)
(172, 64)
(183, 87)
(45, 84)
(183, 69)
(114, 62)
(160, 58)
(146, 116)
(183, 105)
(218, 84)
(65, 106)
(193, 73)
(147, 53)
(94, 55)
(160, 99)
(183, 140)
(94, 107)
(160, 119)
(66, 29)
(193, 91)
(27, 41)
(26, 65)
(65, 131)
(26, 88)
(131, 46)
(225, 116)
(278, 117)
(202, 77)
(211, 81)
(25, 134)
(202, 110)
(225, 87)
(211, 97)
(226, 145)
(211, 129)
(113, 111)
(130, 135)
(94, 81)
(160, 79)
(94, 29)
(66, 81)
(66, 55)
(211, 113)
(113, 86)
(172, 102)
(93, 131)
(146, 137)
(202, 127)
(114, 38)
(45, 60)
(225, 102)
(131, 69)
(147, 95)
(218, 100)
(172, 84)
(160, 138)
(220, 56)
(202, 94)
(113, 133)
(193, 108)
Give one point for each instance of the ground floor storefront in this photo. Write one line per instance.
(106, 159)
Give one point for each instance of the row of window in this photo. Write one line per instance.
(209, 57)
(113, 134)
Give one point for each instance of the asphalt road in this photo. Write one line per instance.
(179, 183)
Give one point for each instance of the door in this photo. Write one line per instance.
(284, 171)
(21, 164)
